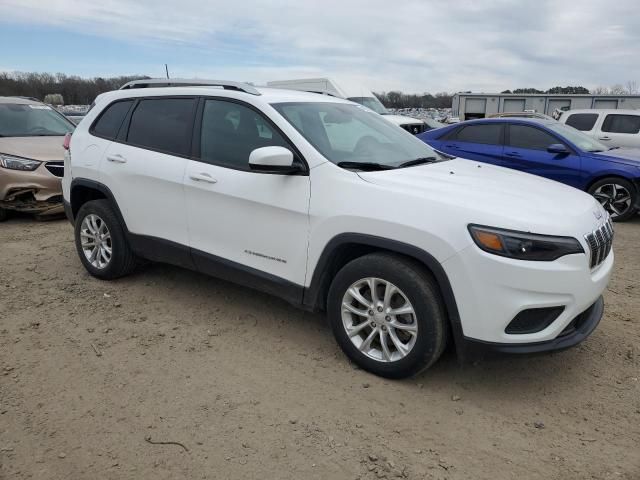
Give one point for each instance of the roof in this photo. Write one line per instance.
(266, 94)
(604, 110)
(559, 95)
(19, 100)
(537, 121)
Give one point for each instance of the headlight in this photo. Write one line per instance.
(522, 245)
(17, 163)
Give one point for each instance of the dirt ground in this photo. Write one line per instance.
(253, 388)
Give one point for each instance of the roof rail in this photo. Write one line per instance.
(182, 82)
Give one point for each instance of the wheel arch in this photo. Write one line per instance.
(345, 247)
(84, 190)
(592, 182)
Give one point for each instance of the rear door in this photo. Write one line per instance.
(620, 130)
(144, 167)
(585, 122)
(526, 150)
(482, 142)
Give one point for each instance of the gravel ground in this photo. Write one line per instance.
(249, 387)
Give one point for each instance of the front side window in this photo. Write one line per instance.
(350, 133)
(489, 134)
(111, 119)
(616, 123)
(162, 124)
(524, 136)
(579, 139)
(582, 121)
(32, 120)
(231, 131)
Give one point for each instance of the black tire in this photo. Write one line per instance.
(123, 260)
(628, 186)
(422, 292)
(3, 215)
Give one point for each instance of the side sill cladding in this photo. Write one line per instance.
(314, 295)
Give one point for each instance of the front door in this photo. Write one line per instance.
(241, 220)
(526, 150)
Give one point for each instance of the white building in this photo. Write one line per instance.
(481, 105)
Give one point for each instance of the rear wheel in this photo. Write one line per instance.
(101, 242)
(387, 315)
(618, 197)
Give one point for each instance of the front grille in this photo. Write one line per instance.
(600, 241)
(415, 128)
(56, 168)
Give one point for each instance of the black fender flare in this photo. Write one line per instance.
(313, 294)
(102, 188)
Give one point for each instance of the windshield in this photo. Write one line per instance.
(29, 120)
(579, 139)
(353, 134)
(371, 102)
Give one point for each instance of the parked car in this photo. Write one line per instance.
(356, 93)
(451, 120)
(524, 114)
(31, 157)
(614, 128)
(329, 206)
(552, 150)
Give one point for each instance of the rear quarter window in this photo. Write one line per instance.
(110, 120)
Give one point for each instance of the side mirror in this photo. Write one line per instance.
(273, 160)
(557, 148)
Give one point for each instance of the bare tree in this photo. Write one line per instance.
(617, 89)
(600, 90)
(632, 87)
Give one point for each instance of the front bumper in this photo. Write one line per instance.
(38, 191)
(578, 329)
(490, 291)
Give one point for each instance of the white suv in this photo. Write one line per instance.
(324, 203)
(614, 128)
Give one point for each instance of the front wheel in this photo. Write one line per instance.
(387, 316)
(3, 215)
(618, 197)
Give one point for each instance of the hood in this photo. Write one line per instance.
(627, 156)
(485, 194)
(402, 120)
(35, 148)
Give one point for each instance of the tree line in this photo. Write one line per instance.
(74, 90)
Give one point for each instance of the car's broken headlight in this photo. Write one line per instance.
(523, 245)
(17, 163)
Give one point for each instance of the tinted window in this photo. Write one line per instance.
(162, 124)
(109, 122)
(523, 136)
(230, 132)
(582, 121)
(490, 134)
(616, 123)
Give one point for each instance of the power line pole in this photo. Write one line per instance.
(166, 69)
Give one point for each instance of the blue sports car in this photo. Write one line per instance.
(552, 150)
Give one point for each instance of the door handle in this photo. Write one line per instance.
(513, 154)
(116, 158)
(604, 138)
(202, 177)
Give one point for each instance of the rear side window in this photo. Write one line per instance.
(523, 136)
(163, 124)
(230, 132)
(111, 119)
(616, 123)
(490, 134)
(582, 121)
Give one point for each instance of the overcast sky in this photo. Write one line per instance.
(414, 46)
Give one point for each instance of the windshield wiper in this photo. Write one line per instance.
(369, 166)
(417, 161)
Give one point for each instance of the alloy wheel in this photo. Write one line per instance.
(615, 198)
(379, 319)
(95, 240)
